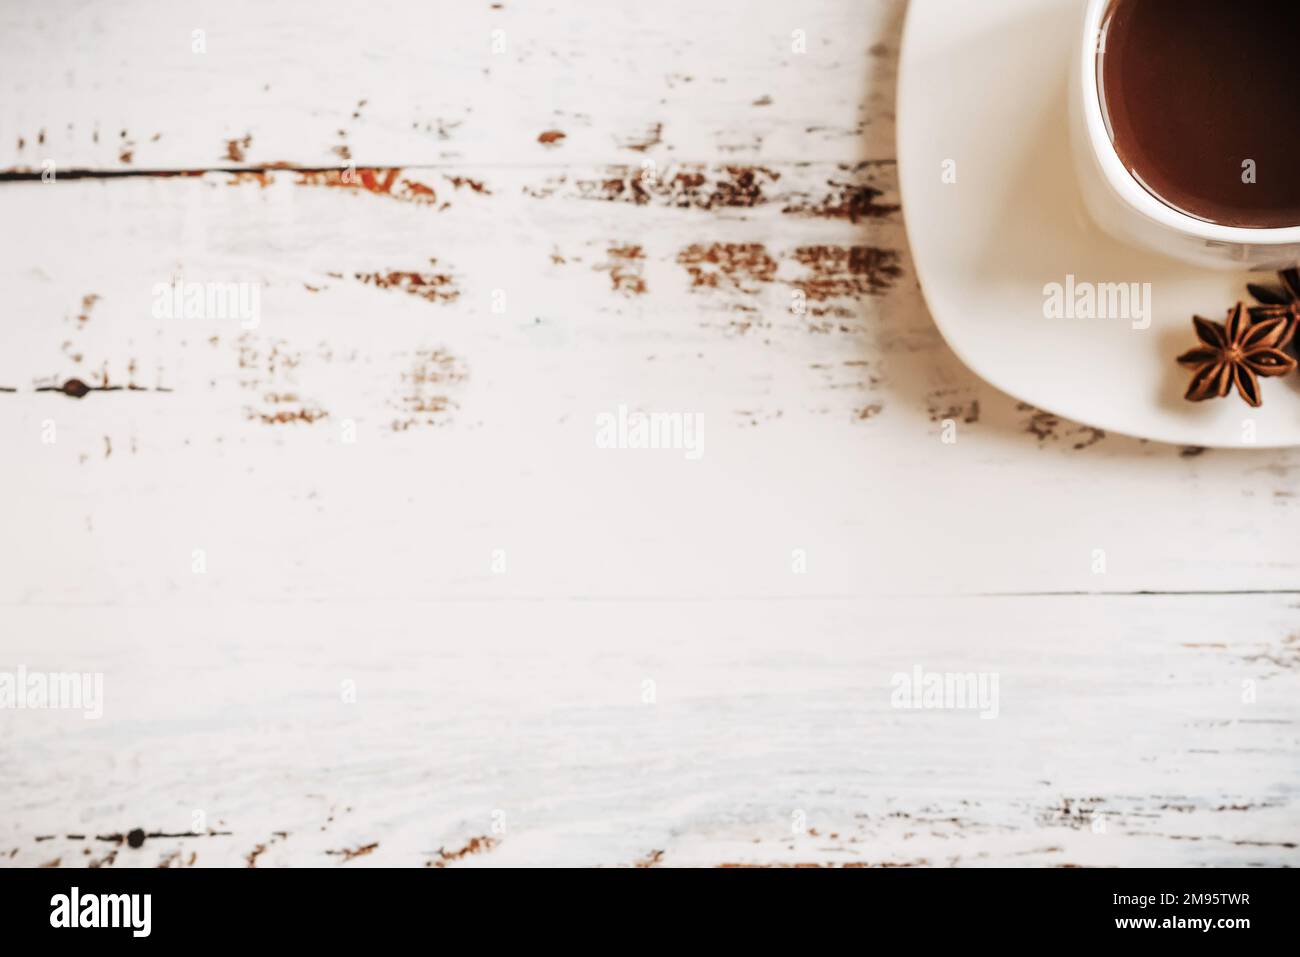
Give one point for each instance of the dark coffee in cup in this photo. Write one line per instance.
(1201, 101)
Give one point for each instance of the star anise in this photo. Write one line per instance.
(1284, 301)
(1236, 353)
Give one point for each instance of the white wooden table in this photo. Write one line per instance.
(362, 585)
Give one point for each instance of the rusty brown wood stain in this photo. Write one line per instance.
(641, 143)
(739, 267)
(87, 304)
(235, 149)
(431, 286)
(269, 369)
(625, 265)
(694, 187)
(424, 398)
(475, 845)
(953, 404)
(832, 272)
(852, 195)
(476, 185)
(849, 201)
(847, 271)
(348, 853)
(385, 182)
(305, 415)
(1046, 427)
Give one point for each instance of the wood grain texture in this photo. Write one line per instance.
(394, 477)
(533, 714)
(322, 83)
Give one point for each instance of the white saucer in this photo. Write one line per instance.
(984, 85)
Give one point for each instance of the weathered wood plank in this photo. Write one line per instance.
(823, 431)
(1128, 731)
(325, 83)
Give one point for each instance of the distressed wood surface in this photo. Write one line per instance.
(324, 83)
(394, 481)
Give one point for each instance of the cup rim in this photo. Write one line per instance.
(1125, 184)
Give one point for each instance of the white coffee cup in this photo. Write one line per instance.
(1122, 207)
